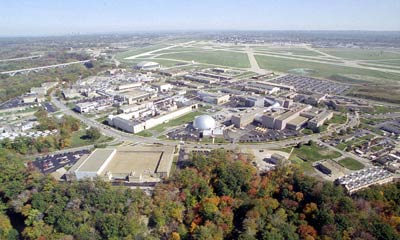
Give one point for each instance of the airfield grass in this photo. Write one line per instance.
(134, 51)
(319, 69)
(293, 51)
(181, 49)
(224, 58)
(300, 58)
(391, 67)
(360, 54)
(388, 62)
(351, 164)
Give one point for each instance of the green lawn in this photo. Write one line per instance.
(78, 139)
(351, 164)
(231, 59)
(144, 133)
(360, 54)
(315, 153)
(337, 119)
(176, 122)
(324, 70)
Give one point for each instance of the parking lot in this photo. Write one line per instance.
(51, 163)
(306, 84)
(13, 103)
(49, 107)
(257, 135)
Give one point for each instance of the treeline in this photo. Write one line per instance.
(219, 196)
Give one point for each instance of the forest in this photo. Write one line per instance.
(218, 196)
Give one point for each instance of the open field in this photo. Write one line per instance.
(315, 153)
(387, 62)
(337, 119)
(360, 54)
(292, 51)
(231, 59)
(78, 139)
(351, 164)
(319, 69)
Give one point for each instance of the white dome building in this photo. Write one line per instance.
(204, 122)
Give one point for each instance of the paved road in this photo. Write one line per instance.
(20, 58)
(13, 72)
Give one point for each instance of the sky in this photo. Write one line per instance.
(59, 17)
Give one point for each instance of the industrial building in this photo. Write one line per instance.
(319, 119)
(127, 163)
(162, 87)
(200, 79)
(252, 101)
(365, 178)
(279, 120)
(214, 98)
(136, 95)
(33, 97)
(246, 117)
(138, 121)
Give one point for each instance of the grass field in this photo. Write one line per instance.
(314, 153)
(230, 59)
(388, 62)
(360, 54)
(176, 122)
(291, 51)
(78, 139)
(319, 69)
(351, 164)
(337, 119)
(145, 133)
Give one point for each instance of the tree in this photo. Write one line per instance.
(93, 133)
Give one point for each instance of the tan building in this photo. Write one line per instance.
(280, 120)
(245, 118)
(144, 163)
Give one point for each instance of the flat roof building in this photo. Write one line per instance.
(143, 163)
(246, 117)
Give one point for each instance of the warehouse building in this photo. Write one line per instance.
(134, 164)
